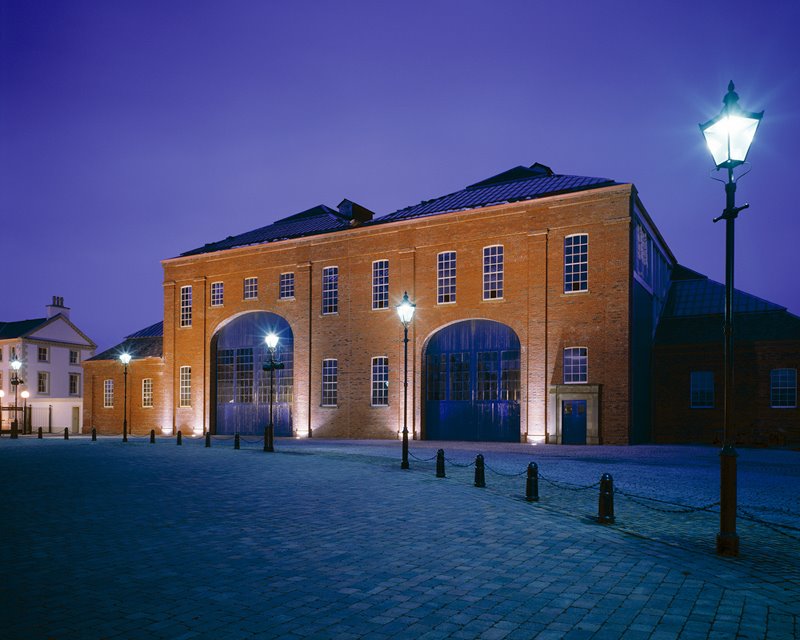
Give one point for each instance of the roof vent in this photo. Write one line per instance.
(354, 212)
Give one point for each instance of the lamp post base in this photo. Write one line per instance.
(727, 538)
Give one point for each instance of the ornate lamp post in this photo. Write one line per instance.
(271, 366)
(729, 136)
(15, 381)
(25, 395)
(125, 359)
(405, 310)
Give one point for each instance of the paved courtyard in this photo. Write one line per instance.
(332, 540)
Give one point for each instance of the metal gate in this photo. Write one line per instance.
(241, 387)
(472, 383)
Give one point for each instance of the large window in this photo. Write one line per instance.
(446, 277)
(380, 381)
(286, 287)
(330, 378)
(576, 360)
(186, 306)
(43, 382)
(330, 290)
(488, 378)
(186, 387)
(459, 376)
(493, 272)
(509, 375)
(250, 288)
(576, 263)
(147, 392)
(436, 371)
(380, 284)
(244, 375)
(74, 384)
(108, 394)
(701, 392)
(225, 376)
(783, 388)
(217, 294)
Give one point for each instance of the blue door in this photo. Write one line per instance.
(573, 422)
(241, 387)
(472, 383)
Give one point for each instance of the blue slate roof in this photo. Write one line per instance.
(701, 297)
(154, 330)
(519, 183)
(145, 343)
(19, 328)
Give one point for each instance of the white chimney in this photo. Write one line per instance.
(57, 307)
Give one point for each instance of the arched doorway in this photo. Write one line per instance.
(240, 387)
(472, 383)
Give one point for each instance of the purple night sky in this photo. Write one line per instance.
(133, 131)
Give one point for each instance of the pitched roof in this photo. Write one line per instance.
(20, 328)
(145, 343)
(514, 185)
(701, 296)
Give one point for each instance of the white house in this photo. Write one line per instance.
(50, 351)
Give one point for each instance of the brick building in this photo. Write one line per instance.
(537, 298)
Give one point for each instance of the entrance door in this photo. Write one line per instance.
(76, 419)
(573, 422)
(472, 380)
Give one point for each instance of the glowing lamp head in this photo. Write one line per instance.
(272, 341)
(2, 394)
(125, 358)
(25, 394)
(15, 365)
(730, 134)
(406, 310)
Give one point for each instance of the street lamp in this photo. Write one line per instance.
(125, 359)
(406, 312)
(15, 381)
(25, 395)
(729, 136)
(2, 395)
(272, 343)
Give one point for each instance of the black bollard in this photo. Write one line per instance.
(66, 433)
(236, 440)
(269, 444)
(532, 483)
(180, 438)
(208, 439)
(480, 475)
(14, 432)
(40, 433)
(94, 434)
(152, 436)
(440, 463)
(605, 509)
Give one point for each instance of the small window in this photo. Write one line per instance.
(250, 288)
(330, 376)
(576, 365)
(287, 286)
(380, 381)
(147, 392)
(446, 277)
(701, 389)
(43, 383)
(108, 394)
(186, 387)
(217, 294)
(380, 284)
(44, 354)
(186, 306)
(576, 263)
(493, 272)
(330, 290)
(783, 388)
(74, 384)
(74, 356)
(1, 352)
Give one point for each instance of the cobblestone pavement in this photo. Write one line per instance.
(333, 540)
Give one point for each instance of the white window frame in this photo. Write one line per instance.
(330, 290)
(330, 382)
(286, 286)
(40, 351)
(695, 389)
(186, 306)
(77, 378)
(380, 284)
(584, 287)
(108, 394)
(575, 377)
(446, 273)
(43, 389)
(185, 385)
(76, 359)
(147, 393)
(250, 288)
(217, 294)
(493, 272)
(379, 378)
(784, 383)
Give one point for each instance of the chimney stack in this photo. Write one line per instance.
(56, 307)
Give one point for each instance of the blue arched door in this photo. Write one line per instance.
(241, 386)
(472, 383)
